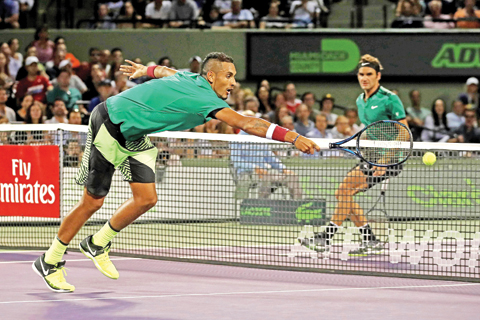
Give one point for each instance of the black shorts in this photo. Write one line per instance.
(367, 170)
(106, 150)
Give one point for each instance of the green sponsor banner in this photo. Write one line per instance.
(338, 53)
(283, 212)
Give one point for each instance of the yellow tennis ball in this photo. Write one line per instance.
(429, 158)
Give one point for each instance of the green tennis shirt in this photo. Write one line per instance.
(179, 102)
(382, 105)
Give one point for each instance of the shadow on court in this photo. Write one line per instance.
(152, 289)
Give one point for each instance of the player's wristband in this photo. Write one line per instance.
(277, 133)
(293, 142)
(151, 71)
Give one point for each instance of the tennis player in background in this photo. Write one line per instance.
(117, 140)
(374, 104)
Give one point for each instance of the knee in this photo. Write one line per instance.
(148, 202)
(94, 203)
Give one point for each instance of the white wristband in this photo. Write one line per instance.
(270, 131)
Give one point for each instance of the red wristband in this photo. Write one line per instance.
(151, 71)
(279, 133)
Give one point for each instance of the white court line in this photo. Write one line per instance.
(22, 251)
(74, 260)
(242, 293)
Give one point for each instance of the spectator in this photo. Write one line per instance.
(183, 12)
(416, 115)
(238, 18)
(470, 97)
(97, 75)
(291, 97)
(105, 91)
(34, 116)
(309, 99)
(326, 107)
(303, 125)
(469, 12)
(279, 101)
(83, 72)
(128, 13)
(13, 65)
(252, 104)
(59, 111)
(75, 81)
(455, 118)
(213, 19)
(53, 67)
(33, 83)
(417, 7)
(22, 72)
(14, 44)
(117, 57)
(320, 130)
(74, 117)
(44, 45)
(436, 125)
(61, 45)
(9, 13)
(467, 132)
(194, 63)
(342, 129)
(273, 20)
(6, 81)
(263, 96)
(73, 154)
(303, 12)
(4, 110)
(103, 20)
(435, 7)
(122, 83)
(25, 103)
(105, 59)
(157, 9)
(408, 17)
(280, 112)
(352, 116)
(287, 122)
(257, 161)
(25, 8)
(140, 7)
(165, 61)
(64, 91)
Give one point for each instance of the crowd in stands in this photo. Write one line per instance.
(48, 84)
(436, 14)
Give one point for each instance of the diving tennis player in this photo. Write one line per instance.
(117, 139)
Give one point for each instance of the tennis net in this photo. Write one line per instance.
(242, 200)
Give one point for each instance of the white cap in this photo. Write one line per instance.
(64, 63)
(472, 80)
(195, 58)
(30, 60)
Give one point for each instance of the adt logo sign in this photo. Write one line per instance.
(458, 56)
(335, 56)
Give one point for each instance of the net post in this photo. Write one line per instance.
(60, 166)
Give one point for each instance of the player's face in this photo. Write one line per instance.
(224, 79)
(368, 78)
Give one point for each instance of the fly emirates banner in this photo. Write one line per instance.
(29, 181)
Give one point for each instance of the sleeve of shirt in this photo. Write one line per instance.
(46, 83)
(212, 106)
(195, 10)
(50, 96)
(248, 15)
(172, 13)
(397, 111)
(21, 89)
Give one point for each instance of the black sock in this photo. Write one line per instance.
(367, 233)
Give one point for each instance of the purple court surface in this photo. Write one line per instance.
(152, 289)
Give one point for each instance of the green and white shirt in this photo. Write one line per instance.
(382, 105)
(175, 103)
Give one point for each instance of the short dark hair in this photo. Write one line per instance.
(62, 71)
(219, 56)
(92, 49)
(59, 99)
(306, 94)
(115, 50)
(160, 61)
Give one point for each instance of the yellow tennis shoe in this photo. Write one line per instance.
(52, 274)
(99, 256)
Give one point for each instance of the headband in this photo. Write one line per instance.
(374, 66)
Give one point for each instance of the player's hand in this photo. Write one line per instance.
(306, 145)
(134, 71)
(379, 171)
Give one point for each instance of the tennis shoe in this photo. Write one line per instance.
(99, 256)
(53, 275)
(361, 251)
(375, 247)
(318, 242)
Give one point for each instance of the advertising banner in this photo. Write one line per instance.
(337, 54)
(29, 181)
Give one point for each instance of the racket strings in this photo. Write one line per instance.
(385, 143)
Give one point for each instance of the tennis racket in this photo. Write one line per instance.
(377, 215)
(384, 143)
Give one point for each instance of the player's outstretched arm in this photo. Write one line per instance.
(260, 128)
(137, 70)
